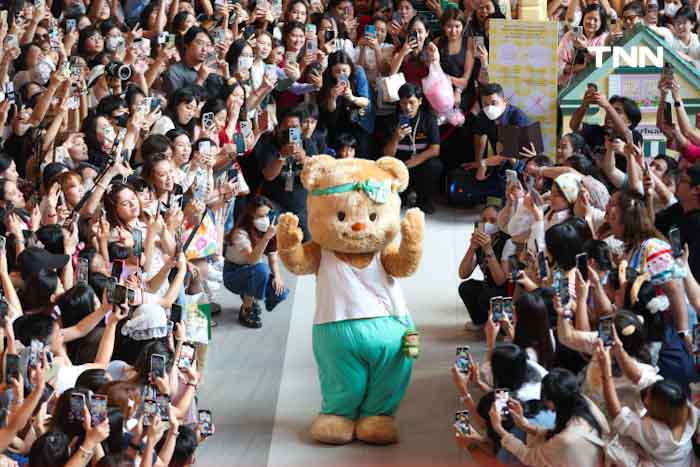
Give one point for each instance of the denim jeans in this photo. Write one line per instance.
(253, 280)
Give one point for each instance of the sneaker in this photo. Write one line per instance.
(248, 319)
(469, 326)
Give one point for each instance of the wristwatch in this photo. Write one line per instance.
(678, 103)
(683, 332)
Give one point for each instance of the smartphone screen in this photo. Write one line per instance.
(463, 359)
(462, 423)
(119, 295)
(83, 267)
(186, 356)
(150, 410)
(605, 330)
(542, 265)
(582, 265)
(404, 120)
(514, 267)
(98, 409)
(501, 400)
(497, 309)
(11, 367)
(674, 236)
(508, 308)
(564, 291)
(157, 366)
(117, 268)
(205, 421)
(77, 404)
(163, 403)
(295, 135)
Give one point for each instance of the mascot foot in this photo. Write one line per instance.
(377, 430)
(333, 429)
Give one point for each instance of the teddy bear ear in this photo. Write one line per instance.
(397, 169)
(316, 169)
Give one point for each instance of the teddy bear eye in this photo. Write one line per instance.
(341, 215)
(373, 216)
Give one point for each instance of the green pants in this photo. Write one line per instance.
(361, 367)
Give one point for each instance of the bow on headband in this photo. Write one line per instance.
(375, 190)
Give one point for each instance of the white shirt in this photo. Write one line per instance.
(345, 292)
(692, 49)
(656, 438)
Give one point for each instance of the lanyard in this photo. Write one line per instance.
(413, 135)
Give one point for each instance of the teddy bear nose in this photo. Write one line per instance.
(357, 226)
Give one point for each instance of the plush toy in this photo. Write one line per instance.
(363, 337)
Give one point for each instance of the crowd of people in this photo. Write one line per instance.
(149, 147)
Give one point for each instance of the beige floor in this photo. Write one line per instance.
(263, 389)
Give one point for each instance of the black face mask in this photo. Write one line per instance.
(122, 120)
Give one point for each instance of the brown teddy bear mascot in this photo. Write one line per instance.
(364, 339)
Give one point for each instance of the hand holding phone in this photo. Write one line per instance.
(605, 331)
(463, 359)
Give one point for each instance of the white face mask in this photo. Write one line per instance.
(262, 223)
(490, 229)
(493, 111)
(245, 63)
(671, 9)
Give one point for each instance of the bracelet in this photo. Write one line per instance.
(87, 453)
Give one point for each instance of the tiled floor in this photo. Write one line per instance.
(262, 385)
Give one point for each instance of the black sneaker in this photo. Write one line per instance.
(248, 319)
(427, 207)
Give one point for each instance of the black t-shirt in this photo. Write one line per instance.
(512, 116)
(594, 135)
(425, 128)
(285, 189)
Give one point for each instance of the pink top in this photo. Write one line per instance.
(691, 153)
(567, 54)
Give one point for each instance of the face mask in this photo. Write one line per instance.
(114, 43)
(490, 229)
(493, 111)
(245, 63)
(262, 223)
(122, 120)
(671, 9)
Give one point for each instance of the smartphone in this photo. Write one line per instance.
(674, 237)
(564, 296)
(605, 330)
(508, 308)
(240, 143)
(263, 121)
(311, 44)
(295, 135)
(162, 38)
(157, 365)
(577, 30)
(3, 241)
(328, 35)
(511, 177)
(207, 121)
(36, 347)
(478, 41)
(204, 147)
(667, 73)
(118, 266)
(592, 87)
(76, 406)
(175, 313)
(462, 422)
(205, 421)
(11, 367)
(10, 90)
(246, 130)
(496, 309)
(71, 25)
(370, 31)
(83, 268)
(3, 17)
(542, 265)
(310, 29)
(463, 359)
(582, 264)
(98, 409)
(514, 267)
(187, 354)
(163, 404)
(119, 295)
(404, 120)
(150, 410)
(130, 296)
(501, 397)
(413, 36)
(290, 58)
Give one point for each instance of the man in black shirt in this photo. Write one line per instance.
(281, 162)
(495, 112)
(685, 214)
(415, 139)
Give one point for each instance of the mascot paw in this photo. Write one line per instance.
(377, 430)
(289, 235)
(333, 429)
(413, 225)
